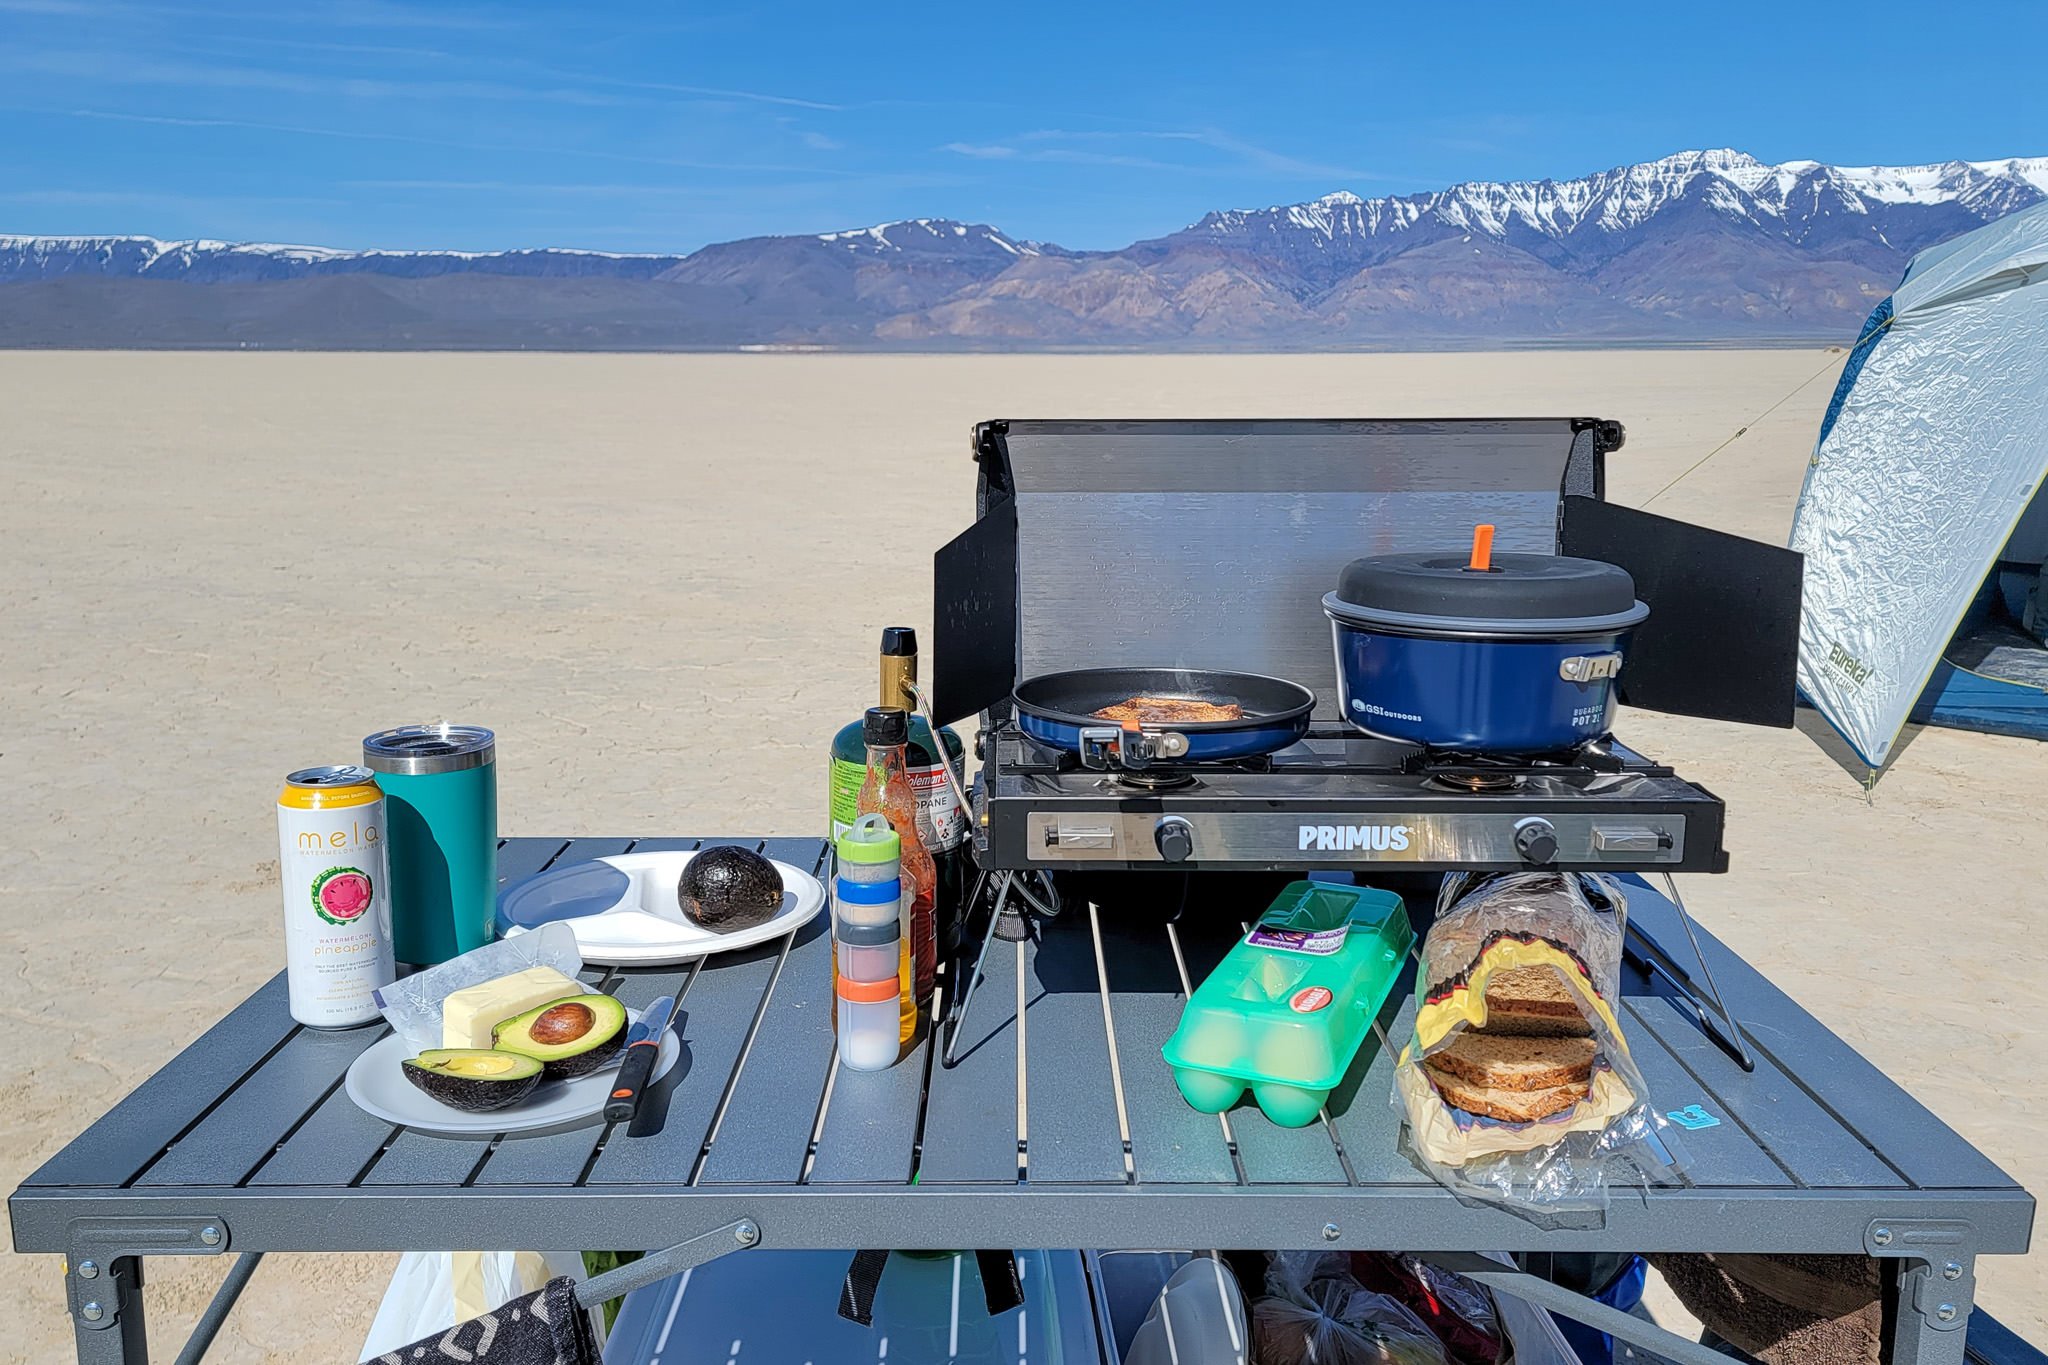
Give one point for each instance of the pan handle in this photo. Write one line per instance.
(1106, 746)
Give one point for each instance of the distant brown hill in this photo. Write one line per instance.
(1702, 246)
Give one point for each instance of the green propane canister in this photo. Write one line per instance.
(941, 824)
(1285, 1011)
(440, 785)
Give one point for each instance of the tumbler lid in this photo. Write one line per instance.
(416, 749)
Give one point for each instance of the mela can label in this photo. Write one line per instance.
(337, 902)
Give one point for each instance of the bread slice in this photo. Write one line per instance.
(1516, 1063)
(1533, 1002)
(1509, 1106)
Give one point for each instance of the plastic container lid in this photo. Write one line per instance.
(1517, 595)
(872, 839)
(867, 893)
(870, 992)
(858, 935)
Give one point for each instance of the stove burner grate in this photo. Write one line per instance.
(1477, 780)
(1154, 779)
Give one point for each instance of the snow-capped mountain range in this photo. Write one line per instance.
(1704, 245)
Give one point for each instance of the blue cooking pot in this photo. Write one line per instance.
(1518, 657)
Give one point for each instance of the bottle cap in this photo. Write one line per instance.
(898, 641)
(871, 840)
(867, 893)
(867, 935)
(870, 992)
(885, 726)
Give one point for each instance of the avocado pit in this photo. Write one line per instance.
(569, 1037)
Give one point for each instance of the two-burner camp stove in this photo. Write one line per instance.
(1209, 545)
(1343, 800)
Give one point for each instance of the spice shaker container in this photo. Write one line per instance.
(869, 988)
(869, 913)
(440, 785)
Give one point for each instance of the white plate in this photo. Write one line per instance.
(647, 928)
(377, 1083)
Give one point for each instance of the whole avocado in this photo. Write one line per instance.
(724, 889)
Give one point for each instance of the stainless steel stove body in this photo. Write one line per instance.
(1344, 801)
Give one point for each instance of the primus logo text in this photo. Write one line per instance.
(1346, 838)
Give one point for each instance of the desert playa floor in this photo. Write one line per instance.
(660, 578)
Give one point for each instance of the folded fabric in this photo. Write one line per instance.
(546, 1327)
(1784, 1310)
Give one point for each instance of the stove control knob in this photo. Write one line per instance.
(1536, 840)
(1176, 839)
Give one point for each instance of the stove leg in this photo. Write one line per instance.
(1003, 882)
(1732, 1039)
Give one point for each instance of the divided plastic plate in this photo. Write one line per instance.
(623, 910)
(379, 1087)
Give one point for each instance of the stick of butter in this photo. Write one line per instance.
(469, 1015)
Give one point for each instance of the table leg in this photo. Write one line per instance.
(1929, 1310)
(106, 1317)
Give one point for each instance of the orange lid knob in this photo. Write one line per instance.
(1482, 548)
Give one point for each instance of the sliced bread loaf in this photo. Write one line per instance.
(1516, 1063)
(1533, 1002)
(1509, 1106)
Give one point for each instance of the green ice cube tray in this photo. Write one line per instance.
(1287, 1023)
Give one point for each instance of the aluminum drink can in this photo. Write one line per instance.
(331, 853)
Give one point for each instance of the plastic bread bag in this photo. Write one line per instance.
(412, 1004)
(1315, 1312)
(1517, 1083)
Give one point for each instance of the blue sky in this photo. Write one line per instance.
(412, 123)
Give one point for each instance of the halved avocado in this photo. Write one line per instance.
(571, 1037)
(475, 1079)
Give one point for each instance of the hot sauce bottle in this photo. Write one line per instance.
(886, 790)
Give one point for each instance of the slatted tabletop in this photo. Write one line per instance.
(1059, 1126)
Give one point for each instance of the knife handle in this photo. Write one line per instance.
(632, 1079)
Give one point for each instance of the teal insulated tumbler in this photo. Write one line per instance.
(440, 785)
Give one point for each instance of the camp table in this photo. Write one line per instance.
(1059, 1128)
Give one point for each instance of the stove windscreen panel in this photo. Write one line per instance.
(1210, 545)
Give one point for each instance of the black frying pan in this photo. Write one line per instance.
(1055, 708)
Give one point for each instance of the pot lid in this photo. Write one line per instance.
(1511, 593)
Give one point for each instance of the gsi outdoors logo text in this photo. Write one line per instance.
(1351, 838)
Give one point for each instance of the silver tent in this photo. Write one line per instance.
(1920, 521)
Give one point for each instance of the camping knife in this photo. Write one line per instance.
(643, 1047)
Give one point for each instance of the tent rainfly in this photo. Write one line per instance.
(1922, 521)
